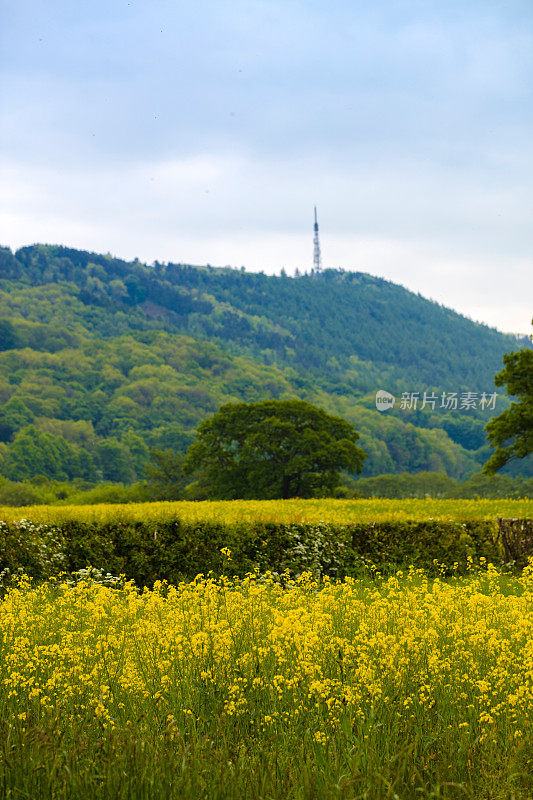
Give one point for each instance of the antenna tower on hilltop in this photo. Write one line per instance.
(317, 259)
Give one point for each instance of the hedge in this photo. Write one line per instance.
(179, 550)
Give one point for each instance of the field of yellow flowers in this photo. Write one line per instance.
(269, 688)
(334, 511)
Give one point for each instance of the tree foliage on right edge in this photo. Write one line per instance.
(271, 449)
(512, 431)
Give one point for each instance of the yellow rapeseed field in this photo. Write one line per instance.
(282, 511)
(417, 680)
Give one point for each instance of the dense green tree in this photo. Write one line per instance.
(115, 461)
(512, 431)
(8, 335)
(35, 452)
(273, 448)
(139, 452)
(14, 415)
(167, 475)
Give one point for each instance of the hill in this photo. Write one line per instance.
(102, 359)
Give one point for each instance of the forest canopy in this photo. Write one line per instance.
(102, 361)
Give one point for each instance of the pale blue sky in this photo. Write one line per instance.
(206, 131)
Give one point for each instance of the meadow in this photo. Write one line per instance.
(398, 687)
(333, 511)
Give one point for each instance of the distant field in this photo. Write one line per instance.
(280, 511)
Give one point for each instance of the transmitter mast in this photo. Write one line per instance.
(317, 259)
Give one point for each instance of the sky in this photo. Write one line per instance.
(205, 132)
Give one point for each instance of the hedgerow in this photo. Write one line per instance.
(180, 550)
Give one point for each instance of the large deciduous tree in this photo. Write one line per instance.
(512, 431)
(166, 474)
(273, 448)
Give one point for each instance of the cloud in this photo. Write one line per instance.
(206, 132)
(222, 211)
